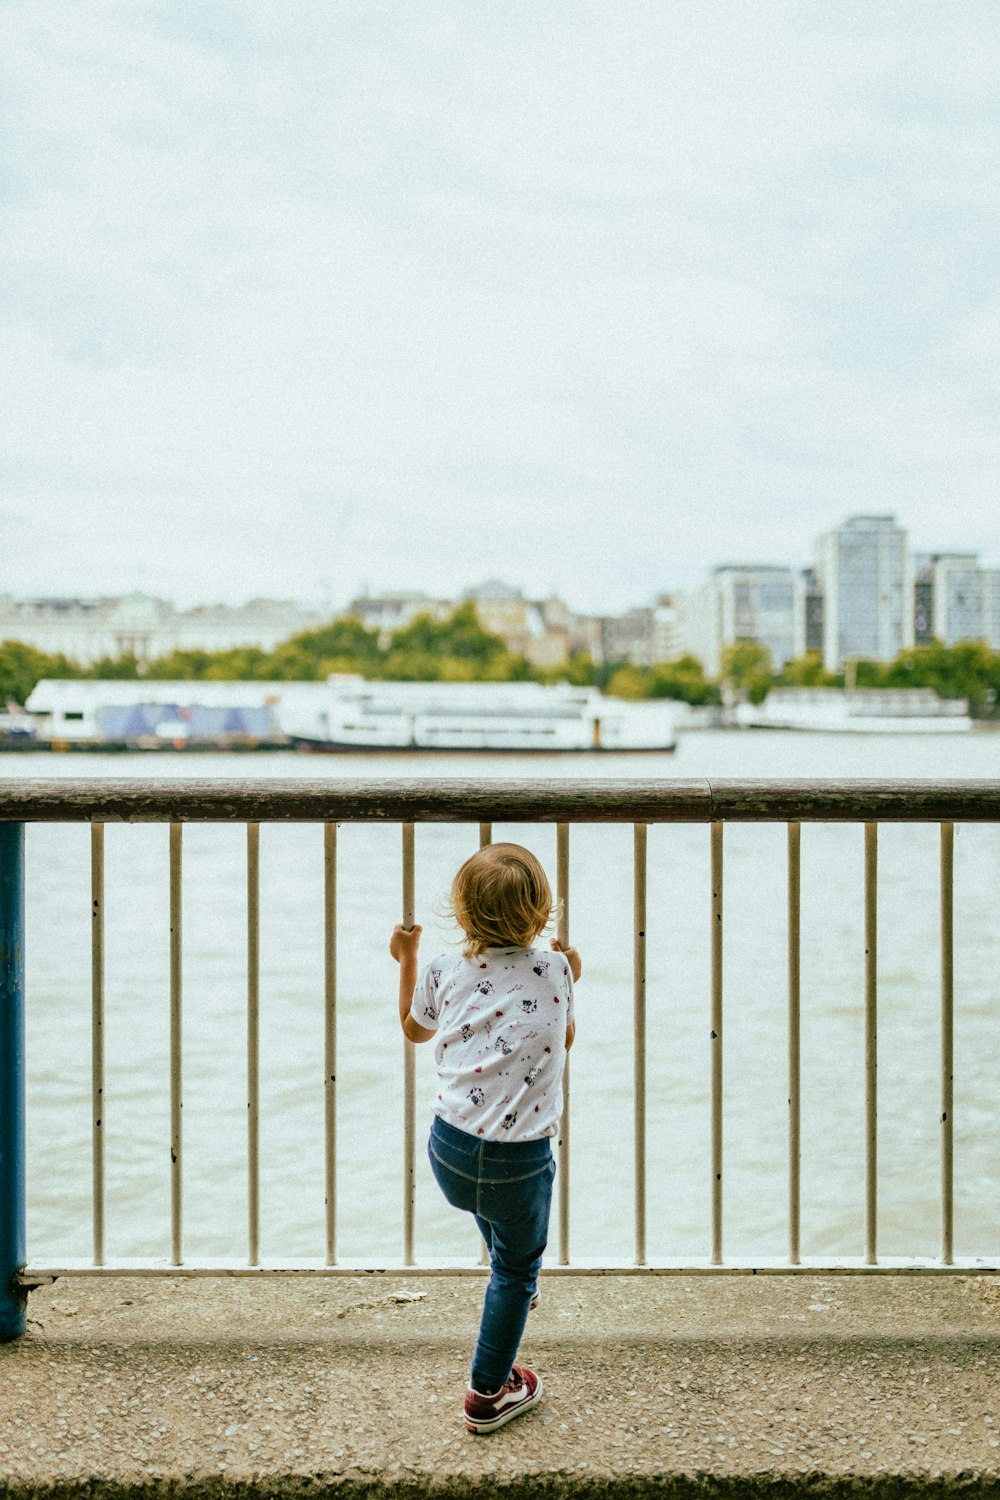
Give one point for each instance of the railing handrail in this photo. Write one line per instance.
(461, 800)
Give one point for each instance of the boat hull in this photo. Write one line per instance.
(343, 747)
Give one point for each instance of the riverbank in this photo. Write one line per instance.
(654, 1385)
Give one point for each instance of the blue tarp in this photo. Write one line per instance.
(142, 720)
(132, 723)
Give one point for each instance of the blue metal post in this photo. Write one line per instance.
(13, 1249)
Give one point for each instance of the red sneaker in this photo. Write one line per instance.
(486, 1413)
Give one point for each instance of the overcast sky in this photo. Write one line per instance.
(298, 297)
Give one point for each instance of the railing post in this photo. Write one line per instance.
(562, 932)
(639, 847)
(947, 1043)
(13, 1250)
(97, 1035)
(716, 1042)
(330, 1033)
(409, 1071)
(485, 839)
(253, 1044)
(871, 1043)
(794, 1040)
(176, 1059)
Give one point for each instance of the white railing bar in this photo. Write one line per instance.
(947, 1040)
(871, 1043)
(97, 1033)
(562, 934)
(409, 1072)
(176, 1093)
(330, 1036)
(639, 1033)
(253, 1043)
(794, 1039)
(716, 1043)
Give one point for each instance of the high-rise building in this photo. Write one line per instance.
(745, 602)
(923, 598)
(966, 600)
(812, 609)
(865, 572)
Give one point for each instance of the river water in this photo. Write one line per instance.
(370, 1048)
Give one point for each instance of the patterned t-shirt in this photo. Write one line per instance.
(501, 1022)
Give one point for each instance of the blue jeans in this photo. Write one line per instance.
(507, 1186)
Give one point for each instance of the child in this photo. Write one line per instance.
(502, 1012)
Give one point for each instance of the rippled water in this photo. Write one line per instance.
(370, 1047)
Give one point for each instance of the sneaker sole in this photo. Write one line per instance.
(492, 1423)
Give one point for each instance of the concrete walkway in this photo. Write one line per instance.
(671, 1386)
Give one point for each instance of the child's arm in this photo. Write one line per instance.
(571, 956)
(576, 969)
(403, 946)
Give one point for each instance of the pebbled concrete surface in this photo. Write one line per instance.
(671, 1386)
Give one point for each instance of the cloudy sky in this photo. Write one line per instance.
(297, 297)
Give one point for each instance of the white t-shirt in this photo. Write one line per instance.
(501, 1022)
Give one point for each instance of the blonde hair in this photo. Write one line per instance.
(501, 898)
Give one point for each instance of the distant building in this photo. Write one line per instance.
(145, 627)
(585, 636)
(812, 611)
(264, 623)
(388, 612)
(923, 598)
(745, 602)
(536, 630)
(864, 570)
(966, 600)
(643, 636)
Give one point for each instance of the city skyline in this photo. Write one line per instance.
(867, 596)
(300, 299)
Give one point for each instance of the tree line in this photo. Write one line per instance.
(458, 649)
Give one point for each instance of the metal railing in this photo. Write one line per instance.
(328, 804)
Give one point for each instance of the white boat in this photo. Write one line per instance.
(857, 711)
(348, 713)
(148, 712)
(353, 714)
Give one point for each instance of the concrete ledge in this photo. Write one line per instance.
(674, 1387)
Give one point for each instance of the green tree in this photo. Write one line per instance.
(808, 671)
(578, 670)
(966, 670)
(181, 666)
(746, 670)
(22, 666)
(456, 649)
(345, 645)
(114, 667)
(629, 682)
(239, 664)
(683, 679)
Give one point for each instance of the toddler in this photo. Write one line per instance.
(502, 1014)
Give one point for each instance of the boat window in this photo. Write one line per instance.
(68, 715)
